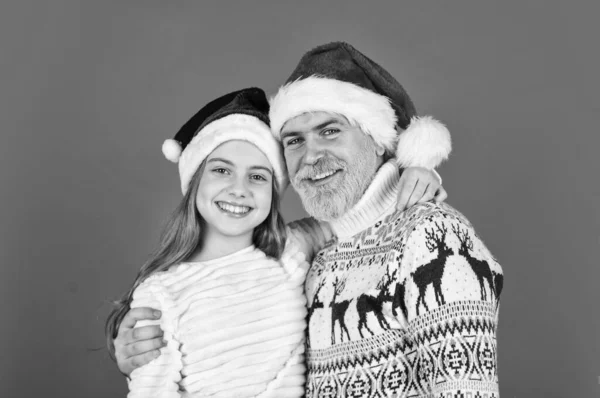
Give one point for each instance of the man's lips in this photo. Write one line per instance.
(322, 178)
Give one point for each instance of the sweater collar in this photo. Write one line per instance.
(379, 197)
(229, 257)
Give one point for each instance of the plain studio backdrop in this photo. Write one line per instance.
(90, 89)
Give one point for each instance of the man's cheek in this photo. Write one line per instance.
(291, 163)
(292, 172)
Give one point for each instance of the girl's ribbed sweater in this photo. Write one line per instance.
(234, 327)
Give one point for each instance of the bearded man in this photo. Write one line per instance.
(405, 303)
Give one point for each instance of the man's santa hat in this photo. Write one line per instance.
(337, 78)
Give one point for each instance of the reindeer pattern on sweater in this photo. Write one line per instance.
(408, 307)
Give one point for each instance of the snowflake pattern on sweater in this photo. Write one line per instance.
(406, 308)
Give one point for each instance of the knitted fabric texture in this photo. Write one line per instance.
(405, 304)
(234, 328)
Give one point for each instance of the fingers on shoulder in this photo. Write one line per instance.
(429, 194)
(146, 332)
(441, 195)
(139, 314)
(145, 358)
(143, 347)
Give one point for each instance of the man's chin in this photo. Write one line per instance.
(324, 208)
(323, 216)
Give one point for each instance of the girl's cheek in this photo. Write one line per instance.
(268, 196)
(263, 192)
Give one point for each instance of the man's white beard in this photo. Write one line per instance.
(333, 200)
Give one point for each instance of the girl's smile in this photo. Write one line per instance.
(234, 210)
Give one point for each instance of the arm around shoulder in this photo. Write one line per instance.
(160, 377)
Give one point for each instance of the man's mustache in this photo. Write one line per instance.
(323, 165)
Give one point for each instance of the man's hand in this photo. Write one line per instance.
(417, 185)
(135, 347)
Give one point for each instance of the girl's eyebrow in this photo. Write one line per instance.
(229, 162)
(268, 170)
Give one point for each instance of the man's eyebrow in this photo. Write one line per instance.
(326, 123)
(320, 126)
(286, 134)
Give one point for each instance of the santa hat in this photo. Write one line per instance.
(241, 115)
(337, 78)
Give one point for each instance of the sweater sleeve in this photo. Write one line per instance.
(293, 258)
(160, 377)
(311, 235)
(450, 285)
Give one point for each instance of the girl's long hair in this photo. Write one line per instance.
(180, 239)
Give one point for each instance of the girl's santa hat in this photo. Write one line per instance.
(241, 115)
(337, 78)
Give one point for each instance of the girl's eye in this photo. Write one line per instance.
(221, 170)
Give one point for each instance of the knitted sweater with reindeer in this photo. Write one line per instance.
(405, 304)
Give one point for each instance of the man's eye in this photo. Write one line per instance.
(258, 177)
(330, 131)
(292, 141)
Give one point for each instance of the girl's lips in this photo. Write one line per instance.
(233, 210)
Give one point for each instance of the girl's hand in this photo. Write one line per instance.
(135, 347)
(418, 184)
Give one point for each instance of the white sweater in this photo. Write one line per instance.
(234, 327)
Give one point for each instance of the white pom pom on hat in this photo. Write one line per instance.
(172, 150)
(425, 142)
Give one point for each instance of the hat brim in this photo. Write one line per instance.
(364, 108)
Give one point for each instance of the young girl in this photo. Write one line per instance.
(233, 316)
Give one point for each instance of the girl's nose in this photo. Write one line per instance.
(238, 188)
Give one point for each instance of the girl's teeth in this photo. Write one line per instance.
(234, 209)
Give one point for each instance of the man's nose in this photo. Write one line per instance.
(314, 151)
